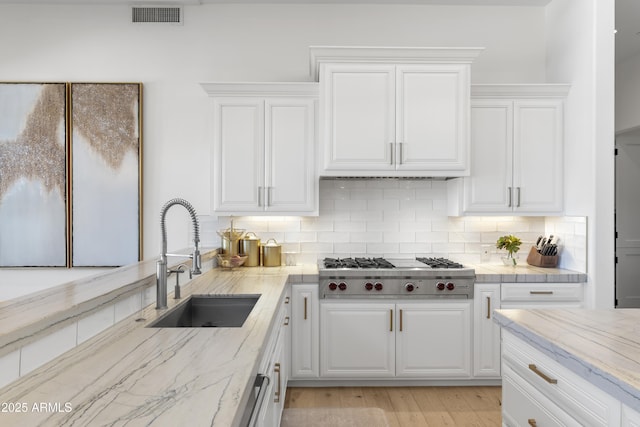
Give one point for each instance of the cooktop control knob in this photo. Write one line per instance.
(378, 286)
(342, 286)
(333, 286)
(440, 286)
(450, 286)
(368, 286)
(409, 287)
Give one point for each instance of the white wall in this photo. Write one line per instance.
(580, 50)
(628, 94)
(237, 43)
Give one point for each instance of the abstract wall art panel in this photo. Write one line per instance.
(106, 173)
(33, 165)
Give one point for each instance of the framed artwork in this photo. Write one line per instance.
(106, 173)
(33, 178)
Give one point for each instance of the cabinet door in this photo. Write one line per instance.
(357, 340)
(486, 333)
(432, 119)
(488, 187)
(537, 155)
(358, 117)
(238, 154)
(304, 331)
(289, 155)
(434, 340)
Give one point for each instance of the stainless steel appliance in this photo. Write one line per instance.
(428, 278)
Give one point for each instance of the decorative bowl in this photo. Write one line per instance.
(231, 261)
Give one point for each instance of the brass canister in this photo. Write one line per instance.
(250, 246)
(271, 254)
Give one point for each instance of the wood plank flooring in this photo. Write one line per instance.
(409, 406)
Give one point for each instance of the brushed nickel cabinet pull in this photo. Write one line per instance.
(305, 308)
(400, 320)
(541, 292)
(488, 307)
(392, 147)
(532, 422)
(518, 198)
(259, 196)
(400, 145)
(286, 321)
(276, 369)
(542, 375)
(509, 191)
(269, 195)
(391, 320)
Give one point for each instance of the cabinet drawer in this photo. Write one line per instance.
(579, 398)
(524, 405)
(542, 293)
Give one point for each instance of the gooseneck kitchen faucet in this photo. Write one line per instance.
(161, 266)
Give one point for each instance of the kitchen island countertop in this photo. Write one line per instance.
(601, 346)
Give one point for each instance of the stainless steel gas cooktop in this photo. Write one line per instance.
(421, 277)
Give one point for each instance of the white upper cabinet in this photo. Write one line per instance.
(264, 148)
(393, 111)
(517, 134)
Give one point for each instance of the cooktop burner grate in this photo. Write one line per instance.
(440, 263)
(357, 263)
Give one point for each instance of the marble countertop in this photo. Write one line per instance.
(602, 346)
(524, 273)
(158, 376)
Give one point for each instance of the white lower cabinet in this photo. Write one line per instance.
(542, 295)
(630, 417)
(275, 365)
(304, 331)
(371, 339)
(486, 333)
(537, 390)
(357, 340)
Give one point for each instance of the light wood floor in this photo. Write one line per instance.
(410, 406)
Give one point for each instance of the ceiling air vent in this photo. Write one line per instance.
(156, 14)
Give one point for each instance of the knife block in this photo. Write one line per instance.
(536, 259)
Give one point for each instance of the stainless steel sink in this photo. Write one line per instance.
(208, 311)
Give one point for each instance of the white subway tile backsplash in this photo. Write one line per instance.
(384, 226)
(9, 368)
(414, 225)
(366, 237)
(315, 224)
(318, 248)
(349, 205)
(350, 248)
(333, 237)
(383, 249)
(367, 194)
(399, 237)
(417, 248)
(388, 217)
(383, 205)
(432, 236)
(302, 236)
(348, 226)
(399, 193)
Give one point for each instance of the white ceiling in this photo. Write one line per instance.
(627, 12)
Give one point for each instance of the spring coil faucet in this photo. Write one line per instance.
(161, 265)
